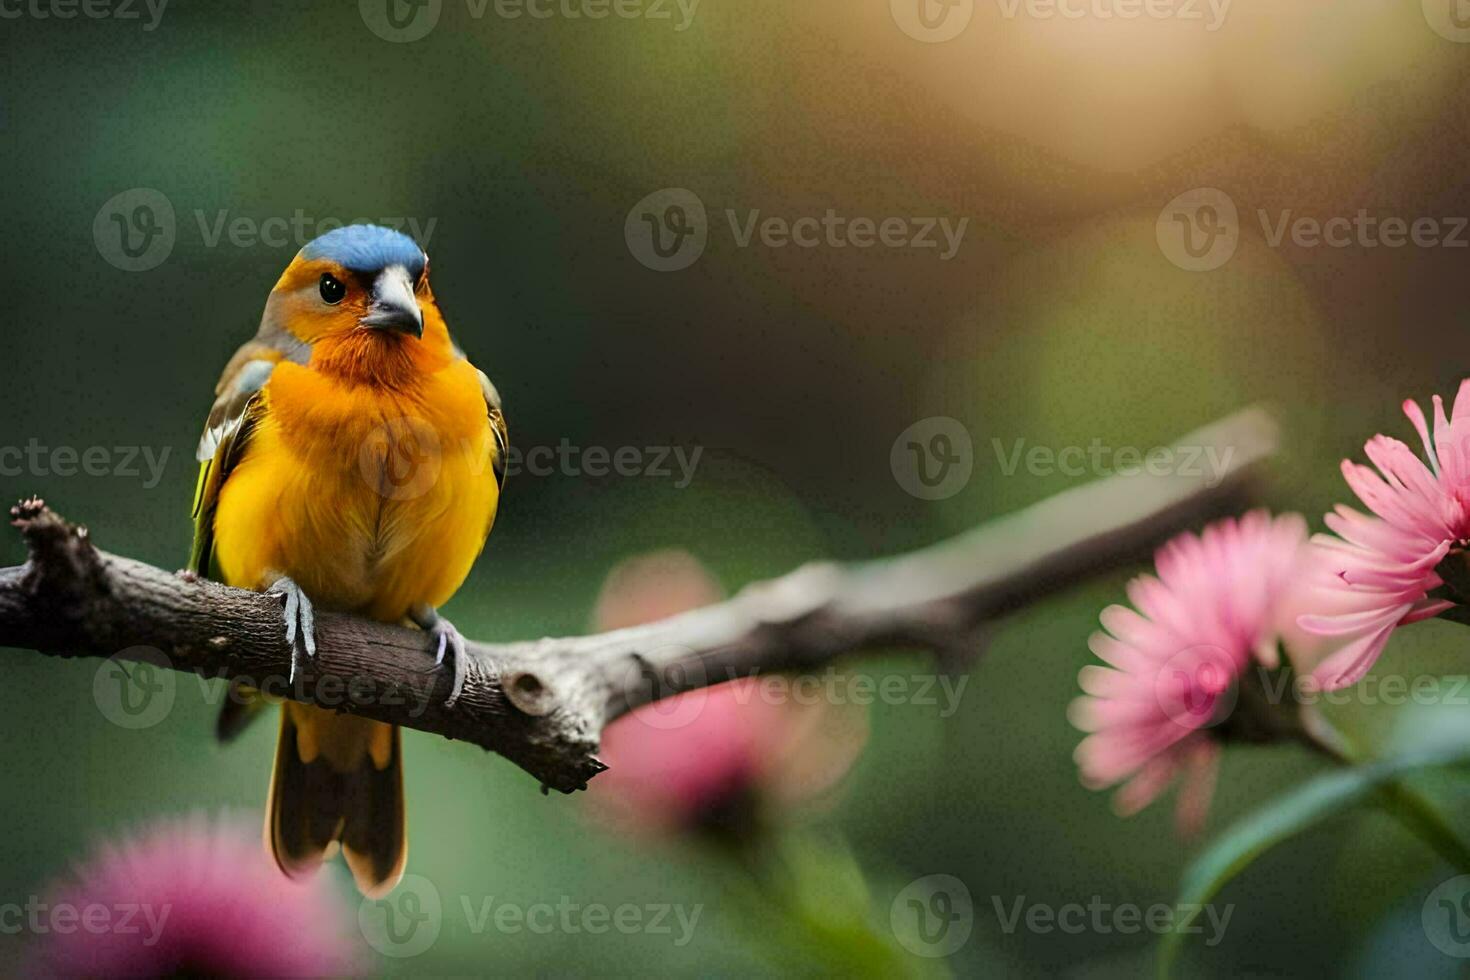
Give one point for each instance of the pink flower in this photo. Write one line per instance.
(204, 901)
(1384, 567)
(1217, 604)
(717, 757)
(651, 587)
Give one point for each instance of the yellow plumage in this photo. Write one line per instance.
(303, 500)
(355, 452)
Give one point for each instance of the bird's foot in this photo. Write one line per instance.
(300, 619)
(444, 638)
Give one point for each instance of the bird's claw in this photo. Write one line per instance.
(447, 639)
(300, 619)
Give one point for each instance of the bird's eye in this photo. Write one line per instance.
(332, 289)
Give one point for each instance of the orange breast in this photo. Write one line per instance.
(371, 500)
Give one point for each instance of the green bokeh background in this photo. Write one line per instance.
(1059, 322)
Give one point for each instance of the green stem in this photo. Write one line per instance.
(790, 890)
(1422, 818)
(1416, 813)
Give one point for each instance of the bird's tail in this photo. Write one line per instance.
(338, 779)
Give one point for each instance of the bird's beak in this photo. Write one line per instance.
(394, 305)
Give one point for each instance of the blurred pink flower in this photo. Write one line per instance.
(653, 586)
(716, 756)
(1384, 567)
(1216, 604)
(191, 897)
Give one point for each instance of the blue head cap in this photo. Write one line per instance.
(367, 249)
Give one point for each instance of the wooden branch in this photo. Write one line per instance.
(543, 704)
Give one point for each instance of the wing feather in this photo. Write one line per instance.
(497, 426)
(238, 406)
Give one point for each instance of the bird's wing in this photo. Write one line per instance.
(497, 426)
(237, 408)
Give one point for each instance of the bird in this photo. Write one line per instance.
(353, 461)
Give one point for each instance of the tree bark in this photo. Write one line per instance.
(544, 703)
